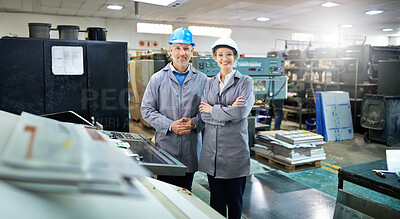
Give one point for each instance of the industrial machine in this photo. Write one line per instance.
(142, 149)
(380, 113)
(155, 159)
(381, 116)
(389, 80)
(206, 64)
(43, 76)
(276, 54)
(257, 66)
(65, 170)
(383, 53)
(363, 54)
(268, 75)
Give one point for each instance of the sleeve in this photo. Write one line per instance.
(199, 124)
(234, 113)
(206, 117)
(150, 106)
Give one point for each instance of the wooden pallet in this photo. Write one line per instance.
(287, 167)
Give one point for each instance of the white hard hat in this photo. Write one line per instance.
(226, 41)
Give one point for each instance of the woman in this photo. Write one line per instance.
(227, 100)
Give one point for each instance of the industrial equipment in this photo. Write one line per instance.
(155, 159)
(43, 76)
(66, 170)
(363, 54)
(326, 53)
(257, 66)
(206, 64)
(380, 115)
(381, 53)
(268, 75)
(276, 54)
(389, 80)
(270, 87)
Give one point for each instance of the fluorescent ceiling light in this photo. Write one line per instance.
(154, 28)
(262, 19)
(347, 25)
(210, 31)
(156, 2)
(115, 7)
(373, 12)
(329, 4)
(387, 29)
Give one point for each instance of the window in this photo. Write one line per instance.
(302, 36)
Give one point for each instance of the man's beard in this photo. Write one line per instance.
(178, 63)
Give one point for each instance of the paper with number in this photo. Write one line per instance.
(44, 150)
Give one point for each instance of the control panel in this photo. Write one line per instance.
(270, 87)
(260, 66)
(206, 64)
(147, 154)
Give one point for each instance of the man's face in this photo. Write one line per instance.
(181, 53)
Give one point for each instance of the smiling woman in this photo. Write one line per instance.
(227, 100)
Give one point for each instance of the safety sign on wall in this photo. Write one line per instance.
(148, 44)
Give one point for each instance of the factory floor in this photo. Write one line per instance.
(272, 193)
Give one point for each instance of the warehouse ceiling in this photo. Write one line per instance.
(300, 15)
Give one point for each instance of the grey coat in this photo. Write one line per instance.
(225, 152)
(164, 101)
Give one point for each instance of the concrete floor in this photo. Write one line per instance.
(339, 154)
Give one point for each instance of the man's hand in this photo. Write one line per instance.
(205, 107)
(239, 101)
(182, 126)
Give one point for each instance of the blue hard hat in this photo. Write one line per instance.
(182, 35)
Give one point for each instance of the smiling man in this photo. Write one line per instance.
(170, 104)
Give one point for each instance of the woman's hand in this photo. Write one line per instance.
(239, 101)
(205, 107)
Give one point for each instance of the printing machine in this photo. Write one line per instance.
(90, 178)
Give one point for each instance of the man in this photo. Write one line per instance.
(171, 105)
(277, 106)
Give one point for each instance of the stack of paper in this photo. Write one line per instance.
(44, 154)
(302, 151)
(299, 137)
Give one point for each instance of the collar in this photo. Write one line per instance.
(228, 84)
(227, 77)
(176, 71)
(169, 69)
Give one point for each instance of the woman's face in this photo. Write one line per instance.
(225, 58)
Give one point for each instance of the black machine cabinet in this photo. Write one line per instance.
(381, 115)
(27, 82)
(363, 54)
(381, 53)
(21, 76)
(63, 91)
(389, 78)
